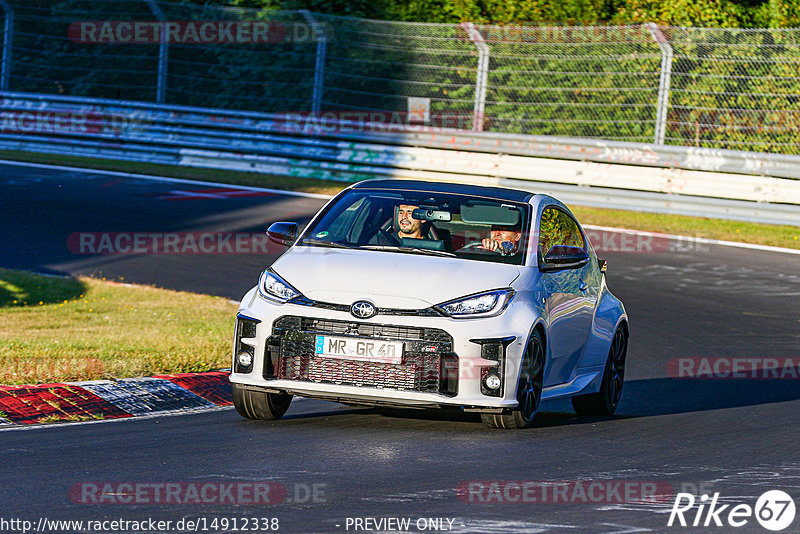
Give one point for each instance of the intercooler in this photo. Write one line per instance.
(428, 364)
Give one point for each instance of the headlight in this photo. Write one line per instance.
(273, 287)
(486, 304)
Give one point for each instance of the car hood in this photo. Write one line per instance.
(388, 279)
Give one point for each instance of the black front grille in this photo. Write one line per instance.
(428, 359)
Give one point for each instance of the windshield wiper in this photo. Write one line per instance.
(428, 251)
(320, 242)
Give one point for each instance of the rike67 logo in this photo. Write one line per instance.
(774, 510)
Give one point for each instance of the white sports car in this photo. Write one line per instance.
(432, 295)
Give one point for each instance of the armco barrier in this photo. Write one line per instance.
(736, 185)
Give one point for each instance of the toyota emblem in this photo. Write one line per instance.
(362, 309)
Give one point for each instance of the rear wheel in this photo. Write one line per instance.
(529, 389)
(260, 404)
(605, 401)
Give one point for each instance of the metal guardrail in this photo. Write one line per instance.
(705, 182)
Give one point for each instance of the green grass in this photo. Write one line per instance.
(18, 288)
(82, 329)
(761, 234)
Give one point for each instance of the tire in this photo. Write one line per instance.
(260, 404)
(605, 401)
(529, 389)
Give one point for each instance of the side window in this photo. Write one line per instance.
(343, 224)
(558, 228)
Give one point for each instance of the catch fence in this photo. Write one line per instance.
(736, 89)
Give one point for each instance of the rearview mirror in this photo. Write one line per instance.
(282, 233)
(564, 257)
(422, 214)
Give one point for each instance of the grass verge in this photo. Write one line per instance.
(63, 329)
(744, 232)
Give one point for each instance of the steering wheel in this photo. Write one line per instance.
(477, 247)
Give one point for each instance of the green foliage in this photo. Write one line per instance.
(778, 14)
(729, 88)
(699, 13)
(45, 60)
(702, 13)
(578, 82)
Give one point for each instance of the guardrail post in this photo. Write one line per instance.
(163, 52)
(482, 75)
(663, 83)
(319, 65)
(8, 35)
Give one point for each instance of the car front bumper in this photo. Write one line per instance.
(513, 326)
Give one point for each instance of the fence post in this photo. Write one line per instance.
(663, 83)
(482, 76)
(319, 65)
(8, 35)
(163, 52)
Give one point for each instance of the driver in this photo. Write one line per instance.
(407, 225)
(502, 239)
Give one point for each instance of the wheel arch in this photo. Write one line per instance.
(623, 322)
(538, 326)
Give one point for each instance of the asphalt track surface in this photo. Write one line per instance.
(735, 437)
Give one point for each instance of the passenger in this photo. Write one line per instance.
(405, 225)
(503, 240)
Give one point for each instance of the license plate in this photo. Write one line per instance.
(366, 350)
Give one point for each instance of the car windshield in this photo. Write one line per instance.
(414, 222)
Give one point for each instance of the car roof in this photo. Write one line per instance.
(497, 193)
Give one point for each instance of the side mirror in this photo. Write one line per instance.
(564, 257)
(282, 233)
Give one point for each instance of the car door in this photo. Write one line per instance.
(570, 295)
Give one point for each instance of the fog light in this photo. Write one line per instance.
(492, 381)
(244, 358)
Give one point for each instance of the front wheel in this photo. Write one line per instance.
(260, 404)
(605, 401)
(529, 389)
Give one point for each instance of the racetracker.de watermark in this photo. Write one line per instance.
(68, 121)
(109, 243)
(564, 492)
(612, 240)
(180, 493)
(194, 32)
(355, 121)
(727, 367)
(557, 34)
